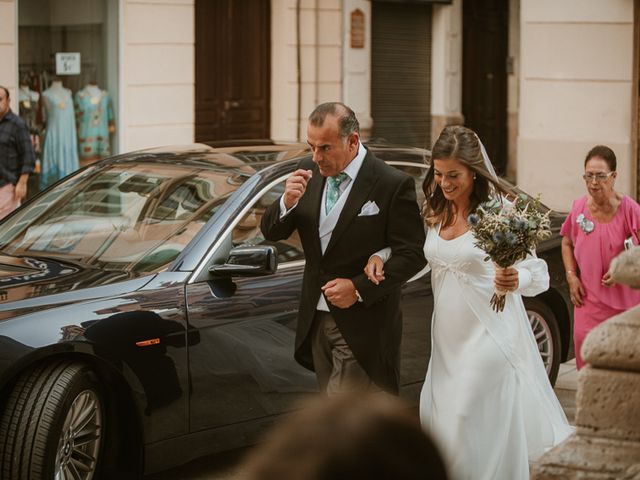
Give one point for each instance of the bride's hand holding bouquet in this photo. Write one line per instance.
(506, 279)
(507, 232)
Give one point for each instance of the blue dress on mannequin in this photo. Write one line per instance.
(60, 152)
(95, 118)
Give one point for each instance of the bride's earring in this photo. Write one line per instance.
(474, 176)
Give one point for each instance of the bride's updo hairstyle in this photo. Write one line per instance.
(461, 143)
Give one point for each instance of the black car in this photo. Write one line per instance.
(143, 323)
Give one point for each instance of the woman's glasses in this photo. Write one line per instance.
(598, 177)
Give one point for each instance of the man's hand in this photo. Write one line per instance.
(295, 187)
(20, 190)
(341, 292)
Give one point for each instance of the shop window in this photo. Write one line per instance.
(67, 63)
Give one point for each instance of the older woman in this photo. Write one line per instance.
(596, 230)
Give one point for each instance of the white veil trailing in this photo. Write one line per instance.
(491, 172)
(487, 161)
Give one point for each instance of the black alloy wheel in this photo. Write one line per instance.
(53, 424)
(547, 334)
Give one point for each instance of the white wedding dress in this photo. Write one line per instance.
(486, 398)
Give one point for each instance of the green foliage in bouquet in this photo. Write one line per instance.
(508, 231)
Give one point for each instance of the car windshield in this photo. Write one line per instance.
(134, 217)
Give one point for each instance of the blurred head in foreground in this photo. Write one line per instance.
(345, 437)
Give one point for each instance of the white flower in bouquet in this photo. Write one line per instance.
(507, 232)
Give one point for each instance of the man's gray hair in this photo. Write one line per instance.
(347, 121)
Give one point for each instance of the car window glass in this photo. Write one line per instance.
(418, 172)
(247, 230)
(133, 217)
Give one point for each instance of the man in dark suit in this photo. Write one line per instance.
(346, 204)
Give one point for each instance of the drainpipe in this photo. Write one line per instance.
(317, 57)
(299, 72)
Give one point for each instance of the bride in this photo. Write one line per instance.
(486, 397)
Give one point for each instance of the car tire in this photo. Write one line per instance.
(547, 334)
(52, 425)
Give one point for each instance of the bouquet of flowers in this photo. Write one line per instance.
(507, 232)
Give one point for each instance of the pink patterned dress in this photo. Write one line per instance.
(594, 246)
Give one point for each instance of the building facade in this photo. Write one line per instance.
(579, 87)
(541, 80)
(572, 81)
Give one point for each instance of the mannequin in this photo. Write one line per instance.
(28, 109)
(60, 153)
(95, 123)
(27, 96)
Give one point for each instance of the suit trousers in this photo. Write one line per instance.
(336, 368)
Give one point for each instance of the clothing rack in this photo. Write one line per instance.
(29, 71)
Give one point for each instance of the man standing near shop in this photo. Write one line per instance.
(17, 159)
(346, 204)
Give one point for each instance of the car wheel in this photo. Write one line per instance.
(547, 334)
(52, 424)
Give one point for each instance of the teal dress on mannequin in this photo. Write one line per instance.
(60, 152)
(95, 117)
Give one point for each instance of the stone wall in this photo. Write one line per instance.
(606, 444)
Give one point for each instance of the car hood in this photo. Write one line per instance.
(35, 282)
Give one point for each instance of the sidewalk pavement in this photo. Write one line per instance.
(565, 388)
(229, 465)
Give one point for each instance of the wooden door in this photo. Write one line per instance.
(232, 69)
(484, 74)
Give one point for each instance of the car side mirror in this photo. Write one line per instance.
(248, 262)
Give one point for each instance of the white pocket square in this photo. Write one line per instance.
(368, 209)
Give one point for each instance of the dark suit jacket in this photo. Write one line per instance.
(371, 328)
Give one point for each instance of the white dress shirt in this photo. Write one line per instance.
(331, 218)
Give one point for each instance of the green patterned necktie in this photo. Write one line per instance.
(333, 190)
